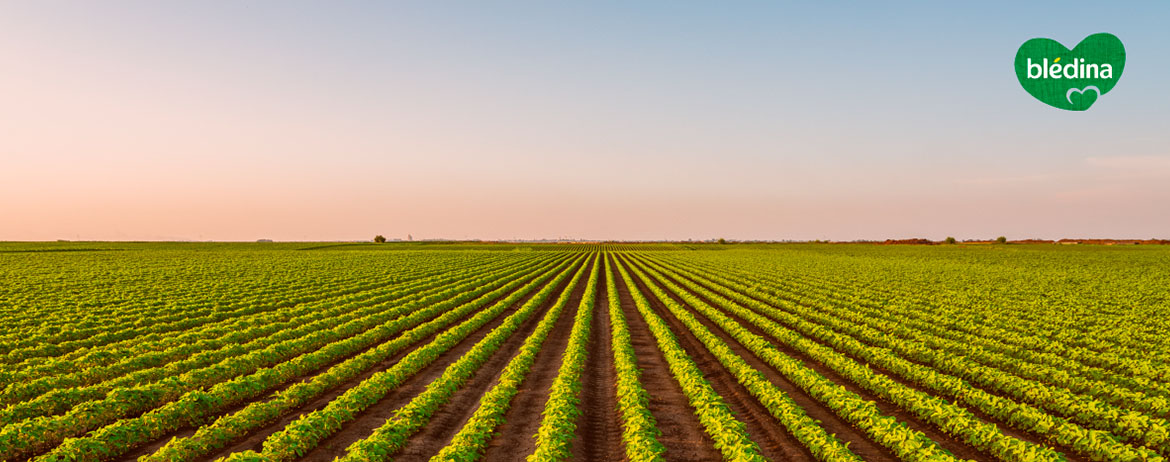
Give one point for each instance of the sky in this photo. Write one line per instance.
(293, 120)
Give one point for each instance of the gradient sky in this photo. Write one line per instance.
(605, 120)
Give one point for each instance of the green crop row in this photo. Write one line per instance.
(559, 419)
(1130, 425)
(947, 417)
(471, 440)
(189, 299)
(155, 337)
(907, 444)
(1094, 444)
(1117, 389)
(231, 427)
(639, 429)
(302, 435)
(49, 431)
(1029, 355)
(98, 289)
(30, 347)
(1054, 333)
(248, 335)
(196, 406)
(714, 414)
(1016, 352)
(190, 320)
(1120, 414)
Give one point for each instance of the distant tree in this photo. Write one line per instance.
(950, 240)
(1001, 240)
(722, 241)
(379, 238)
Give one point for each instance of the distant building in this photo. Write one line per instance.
(263, 240)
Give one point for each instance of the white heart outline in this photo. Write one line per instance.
(1068, 95)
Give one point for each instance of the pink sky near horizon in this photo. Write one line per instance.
(154, 124)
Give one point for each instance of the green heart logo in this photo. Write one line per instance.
(1070, 79)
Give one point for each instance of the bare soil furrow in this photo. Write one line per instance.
(774, 441)
(451, 417)
(514, 438)
(254, 439)
(599, 431)
(682, 433)
(955, 445)
(378, 412)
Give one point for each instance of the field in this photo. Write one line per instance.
(640, 352)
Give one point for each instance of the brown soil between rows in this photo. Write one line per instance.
(154, 445)
(955, 445)
(514, 438)
(254, 439)
(774, 441)
(599, 431)
(682, 433)
(1003, 427)
(893, 295)
(450, 418)
(806, 401)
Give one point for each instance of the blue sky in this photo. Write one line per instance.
(314, 120)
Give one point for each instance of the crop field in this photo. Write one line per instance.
(589, 352)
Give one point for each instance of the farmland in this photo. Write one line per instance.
(639, 352)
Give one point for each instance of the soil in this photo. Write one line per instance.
(450, 418)
(599, 431)
(682, 434)
(254, 441)
(250, 441)
(775, 443)
(514, 438)
(954, 445)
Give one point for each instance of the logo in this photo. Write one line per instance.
(1070, 79)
